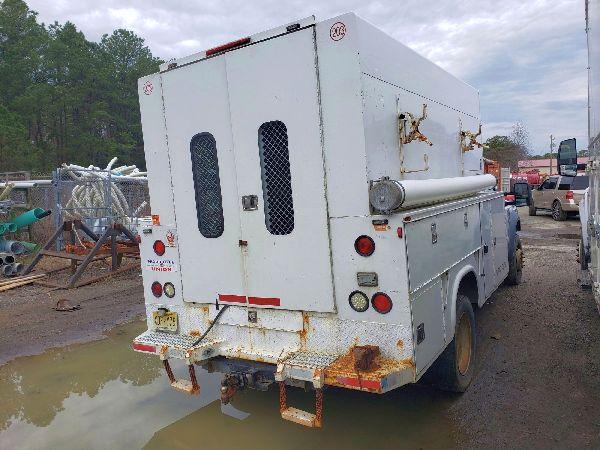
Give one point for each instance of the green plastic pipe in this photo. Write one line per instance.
(30, 217)
(29, 246)
(7, 227)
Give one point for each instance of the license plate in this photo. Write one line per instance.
(166, 322)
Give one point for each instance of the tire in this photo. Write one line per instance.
(515, 266)
(532, 208)
(453, 370)
(557, 212)
(583, 259)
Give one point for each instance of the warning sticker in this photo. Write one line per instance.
(171, 239)
(148, 88)
(337, 31)
(160, 265)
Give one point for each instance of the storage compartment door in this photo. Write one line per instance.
(273, 95)
(203, 177)
(487, 242)
(428, 324)
(500, 241)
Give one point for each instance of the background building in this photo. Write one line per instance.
(545, 166)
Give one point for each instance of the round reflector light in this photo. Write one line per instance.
(382, 303)
(358, 301)
(364, 245)
(159, 248)
(157, 289)
(169, 290)
(386, 195)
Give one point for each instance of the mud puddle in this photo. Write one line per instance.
(104, 395)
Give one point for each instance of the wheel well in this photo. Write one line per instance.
(468, 287)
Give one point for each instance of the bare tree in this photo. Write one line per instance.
(520, 137)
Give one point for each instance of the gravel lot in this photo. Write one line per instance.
(538, 381)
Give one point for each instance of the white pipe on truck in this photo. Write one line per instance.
(391, 195)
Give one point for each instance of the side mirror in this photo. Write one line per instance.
(566, 161)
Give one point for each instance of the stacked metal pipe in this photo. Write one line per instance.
(8, 266)
(10, 248)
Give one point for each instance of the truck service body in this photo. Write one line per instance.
(589, 208)
(269, 257)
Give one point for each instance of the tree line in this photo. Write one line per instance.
(64, 98)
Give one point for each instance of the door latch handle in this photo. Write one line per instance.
(250, 202)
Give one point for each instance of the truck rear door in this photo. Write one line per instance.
(276, 127)
(203, 181)
(244, 132)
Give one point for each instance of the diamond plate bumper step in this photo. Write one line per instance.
(178, 346)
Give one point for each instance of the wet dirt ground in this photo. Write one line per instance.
(29, 325)
(537, 382)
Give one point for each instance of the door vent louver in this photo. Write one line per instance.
(276, 177)
(207, 185)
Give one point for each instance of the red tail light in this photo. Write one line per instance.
(159, 248)
(382, 303)
(569, 195)
(364, 245)
(157, 289)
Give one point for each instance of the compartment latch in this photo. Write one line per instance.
(250, 202)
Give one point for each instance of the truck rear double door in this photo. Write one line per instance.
(246, 125)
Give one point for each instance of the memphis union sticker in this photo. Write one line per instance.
(160, 265)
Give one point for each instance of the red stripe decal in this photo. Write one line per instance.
(232, 298)
(361, 384)
(264, 301)
(144, 347)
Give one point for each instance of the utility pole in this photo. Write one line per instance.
(551, 152)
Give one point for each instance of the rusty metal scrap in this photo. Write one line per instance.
(414, 133)
(472, 140)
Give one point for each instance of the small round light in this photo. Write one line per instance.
(159, 248)
(358, 301)
(386, 195)
(157, 289)
(169, 290)
(382, 303)
(364, 246)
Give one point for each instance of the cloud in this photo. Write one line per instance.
(527, 59)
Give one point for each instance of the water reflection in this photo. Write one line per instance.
(96, 395)
(103, 395)
(409, 418)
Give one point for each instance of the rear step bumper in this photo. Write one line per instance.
(379, 375)
(319, 369)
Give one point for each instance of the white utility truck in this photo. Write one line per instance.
(320, 215)
(589, 206)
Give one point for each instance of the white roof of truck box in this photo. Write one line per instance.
(381, 57)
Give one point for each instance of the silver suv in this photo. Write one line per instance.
(560, 195)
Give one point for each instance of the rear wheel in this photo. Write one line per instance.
(453, 370)
(557, 211)
(532, 208)
(515, 266)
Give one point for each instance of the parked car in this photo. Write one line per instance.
(559, 194)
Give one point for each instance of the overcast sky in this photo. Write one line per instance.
(527, 58)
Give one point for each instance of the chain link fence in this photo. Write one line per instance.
(97, 197)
